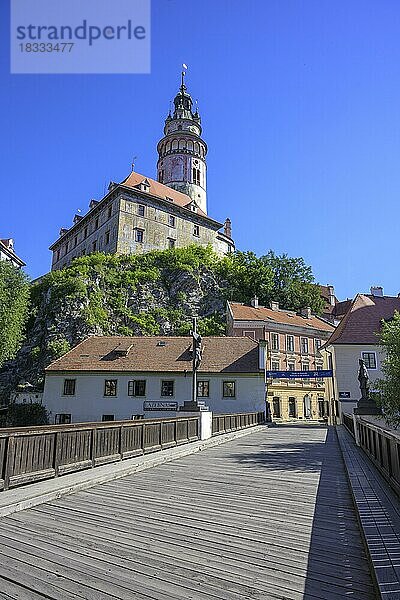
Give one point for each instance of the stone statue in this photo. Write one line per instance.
(363, 378)
(366, 405)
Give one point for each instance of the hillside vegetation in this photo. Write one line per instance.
(156, 293)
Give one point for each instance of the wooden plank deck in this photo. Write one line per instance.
(379, 513)
(266, 516)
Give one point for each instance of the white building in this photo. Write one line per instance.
(356, 337)
(7, 253)
(117, 378)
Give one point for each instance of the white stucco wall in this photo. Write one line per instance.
(89, 402)
(345, 364)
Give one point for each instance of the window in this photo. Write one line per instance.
(171, 220)
(290, 343)
(250, 334)
(291, 366)
(171, 243)
(276, 407)
(96, 223)
(167, 388)
(94, 246)
(139, 235)
(137, 387)
(140, 210)
(203, 389)
(107, 418)
(321, 408)
(110, 387)
(69, 387)
(161, 176)
(292, 408)
(62, 419)
(196, 230)
(137, 417)
(317, 344)
(196, 176)
(274, 341)
(304, 345)
(228, 389)
(275, 366)
(75, 241)
(85, 233)
(107, 238)
(369, 359)
(305, 366)
(109, 212)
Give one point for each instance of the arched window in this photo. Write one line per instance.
(190, 145)
(197, 147)
(174, 144)
(182, 144)
(168, 146)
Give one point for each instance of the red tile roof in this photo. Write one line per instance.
(363, 319)
(241, 312)
(159, 354)
(160, 190)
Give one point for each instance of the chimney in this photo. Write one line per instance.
(228, 228)
(274, 305)
(331, 291)
(306, 312)
(262, 354)
(254, 301)
(377, 290)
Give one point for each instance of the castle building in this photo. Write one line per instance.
(294, 341)
(140, 214)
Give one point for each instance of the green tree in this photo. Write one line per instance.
(14, 307)
(283, 279)
(389, 386)
(294, 284)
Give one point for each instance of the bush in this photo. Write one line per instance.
(26, 415)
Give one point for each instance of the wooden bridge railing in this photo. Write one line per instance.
(233, 422)
(30, 454)
(381, 445)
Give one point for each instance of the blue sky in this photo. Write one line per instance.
(300, 106)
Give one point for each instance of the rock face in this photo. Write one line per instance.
(110, 295)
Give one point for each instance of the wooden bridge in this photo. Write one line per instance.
(268, 515)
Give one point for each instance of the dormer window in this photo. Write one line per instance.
(145, 186)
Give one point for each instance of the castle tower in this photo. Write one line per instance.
(182, 152)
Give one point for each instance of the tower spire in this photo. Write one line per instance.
(183, 86)
(182, 151)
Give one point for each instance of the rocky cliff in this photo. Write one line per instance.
(152, 294)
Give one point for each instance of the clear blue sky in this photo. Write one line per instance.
(300, 103)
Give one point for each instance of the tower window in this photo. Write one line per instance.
(161, 176)
(196, 176)
(171, 220)
(196, 230)
(140, 210)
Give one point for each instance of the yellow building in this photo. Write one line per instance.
(294, 341)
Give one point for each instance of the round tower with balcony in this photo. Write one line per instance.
(182, 151)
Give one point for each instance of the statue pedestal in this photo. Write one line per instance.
(367, 407)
